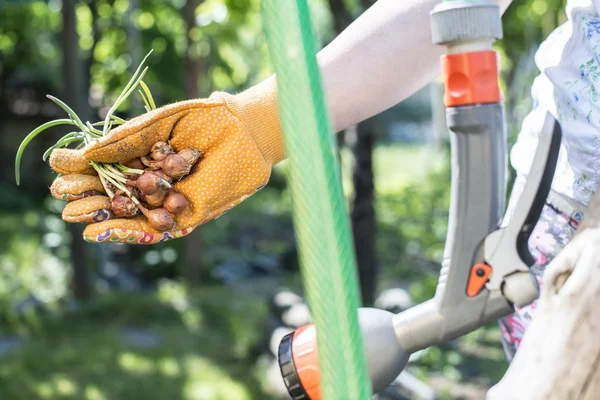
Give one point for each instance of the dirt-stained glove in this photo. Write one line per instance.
(239, 136)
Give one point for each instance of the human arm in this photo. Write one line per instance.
(382, 58)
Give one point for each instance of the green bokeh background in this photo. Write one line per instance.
(160, 322)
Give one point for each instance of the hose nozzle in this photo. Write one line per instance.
(299, 361)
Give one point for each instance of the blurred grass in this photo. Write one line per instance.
(396, 166)
(205, 340)
(208, 336)
(464, 368)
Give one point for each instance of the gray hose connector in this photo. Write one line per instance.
(453, 21)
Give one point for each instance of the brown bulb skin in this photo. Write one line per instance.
(156, 199)
(149, 183)
(123, 207)
(160, 151)
(175, 202)
(175, 166)
(191, 155)
(135, 163)
(159, 218)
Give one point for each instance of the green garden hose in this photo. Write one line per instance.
(321, 221)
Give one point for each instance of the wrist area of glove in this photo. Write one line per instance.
(257, 110)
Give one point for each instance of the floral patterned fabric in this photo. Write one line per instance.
(569, 88)
(553, 231)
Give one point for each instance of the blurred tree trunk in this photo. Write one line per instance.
(363, 208)
(341, 20)
(193, 70)
(134, 47)
(341, 16)
(193, 63)
(87, 72)
(74, 95)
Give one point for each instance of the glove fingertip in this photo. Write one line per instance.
(89, 209)
(124, 231)
(75, 187)
(69, 161)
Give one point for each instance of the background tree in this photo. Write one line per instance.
(362, 144)
(193, 73)
(146, 331)
(75, 93)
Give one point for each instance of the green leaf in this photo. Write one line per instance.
(94, 131)
(148, 95)
(147, 105)
(30, 137)
(69, 111)
(122, 99)
(134, 76)
(590, 63)
(114, 120)
(117, 120)
(131, 85)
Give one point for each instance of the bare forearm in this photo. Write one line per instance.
(384, 57)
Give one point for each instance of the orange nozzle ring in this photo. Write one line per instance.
(306, 359)
(299, 364)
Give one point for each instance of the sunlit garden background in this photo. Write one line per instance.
(199, 318)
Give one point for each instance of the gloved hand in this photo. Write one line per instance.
(240, 138)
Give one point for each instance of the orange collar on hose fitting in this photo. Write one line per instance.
(471, 78)
(299, 364)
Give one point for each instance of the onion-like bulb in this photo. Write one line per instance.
(174, 166)
(159, 218)
(149, 183)
(190, 155)
(160, 151)
(160, 173)
(156, 199)
(175, 202)
(123, 207)
(134, 163)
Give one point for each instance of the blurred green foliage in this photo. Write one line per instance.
(227, 38)
(526, 24)
(207, 333)
(34, 265)
(173, 343)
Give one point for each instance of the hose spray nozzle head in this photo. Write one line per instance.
(299, 357)
(299, 363)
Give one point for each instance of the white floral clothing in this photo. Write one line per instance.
(555, 228)
(569, 88)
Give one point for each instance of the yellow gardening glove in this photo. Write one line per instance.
(240, 138)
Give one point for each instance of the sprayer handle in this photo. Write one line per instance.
(506, 250)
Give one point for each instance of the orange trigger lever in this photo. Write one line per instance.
(478, 277)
